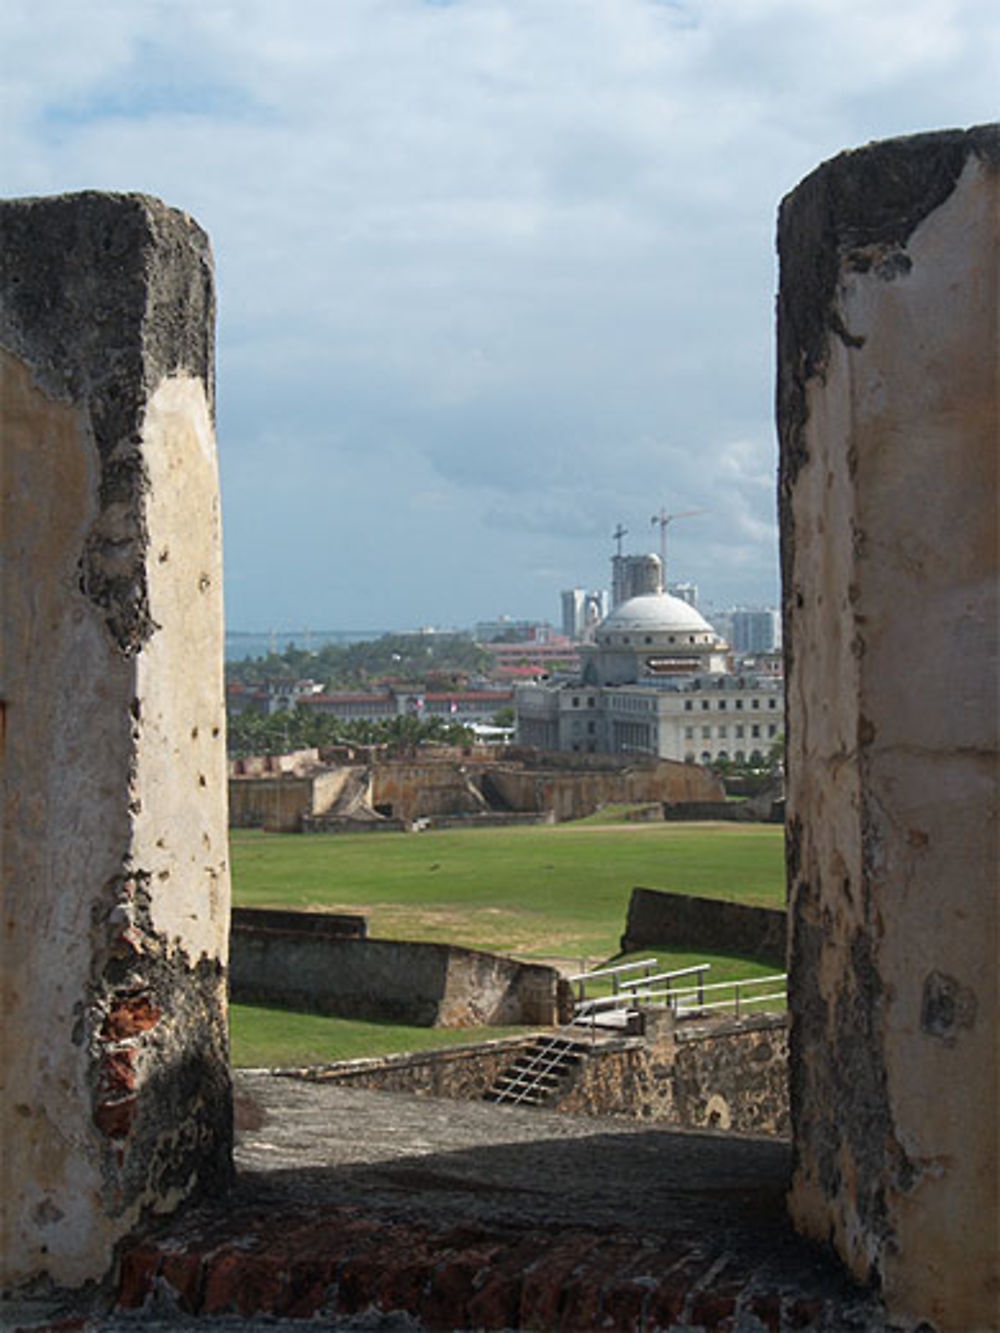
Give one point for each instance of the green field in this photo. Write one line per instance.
(552, 892)
(261, 1037)
(537, 892)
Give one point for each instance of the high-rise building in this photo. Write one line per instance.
(582, 610)
(634, 576)
(756, 631)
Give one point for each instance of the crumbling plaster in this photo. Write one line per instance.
(888, 409)
(113, 1051)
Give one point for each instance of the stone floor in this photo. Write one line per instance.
(378, 1211)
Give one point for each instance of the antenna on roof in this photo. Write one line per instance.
(664, 520)
(617, 536)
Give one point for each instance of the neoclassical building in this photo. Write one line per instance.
(655, 681)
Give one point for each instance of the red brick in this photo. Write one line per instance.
(183, 1271)
(666, 1303)
(452, 1286)
(766, 1306)
(715, 1310)
(117, 1073)
(357, 1282)
(224, 1272)
(581, 1306)
(137, 1269)
(114, 1119)
(497, 1301)
(129, 1017)
(622, 1303)
(262, 1282)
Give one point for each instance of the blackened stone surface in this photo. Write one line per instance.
(103, 296)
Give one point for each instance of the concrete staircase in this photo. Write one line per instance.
(538, 1074)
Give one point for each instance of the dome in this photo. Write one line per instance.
(655, 613)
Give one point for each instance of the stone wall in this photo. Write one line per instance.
(473, 784)
(716, 925)
(573, 793)
(400, 981)
(115, 883)
(722, 1074)
(462, 1073)
(350, 925)
(889, 415)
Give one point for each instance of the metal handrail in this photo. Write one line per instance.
(684, 1002)
(666, 976)
(742, 981)
(610, 971)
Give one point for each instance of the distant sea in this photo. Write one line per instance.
(256, 643)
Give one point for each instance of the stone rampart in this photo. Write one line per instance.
(716, 925)
(113, 1049)
(722, 1074)
(400, 981)
(572, 793)
(476, 783)
(343, 925)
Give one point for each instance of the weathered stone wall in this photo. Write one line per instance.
(463, 1073)
(113, 1052)
(572, 794)
(685, 921)
(279, 802)
(353, 925)
(402, 981)
(889, 417)
(723, 1074)
(472, 784)
(414, 790)
(733, 812)
(275, 803)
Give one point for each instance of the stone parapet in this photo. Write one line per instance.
(113, 1045)
(889, 419)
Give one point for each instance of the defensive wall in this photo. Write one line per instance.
(714, 925)
(477, 785)
(720, 1074)
(115, 1097)
(302, 961)
(889, 417)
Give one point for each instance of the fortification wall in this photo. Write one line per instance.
(115, 1094)
(724, 1074)
(716, 925)
(575, 793)
(400, 981)
(889, 416)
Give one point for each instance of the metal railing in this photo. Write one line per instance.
(580, 979)
(740, 999)
(623, 1002)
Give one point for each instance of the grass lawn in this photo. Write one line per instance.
(537, 892)
(554, 892)
(262, 1037)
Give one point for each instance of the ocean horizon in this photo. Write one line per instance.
(241, 644)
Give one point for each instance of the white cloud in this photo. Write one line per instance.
(515, 257)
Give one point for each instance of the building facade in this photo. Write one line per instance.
(655, 682)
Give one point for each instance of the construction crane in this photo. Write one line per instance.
(664, 520)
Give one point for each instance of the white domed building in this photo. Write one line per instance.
(654, 681)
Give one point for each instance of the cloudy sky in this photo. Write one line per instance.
(494, 275)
